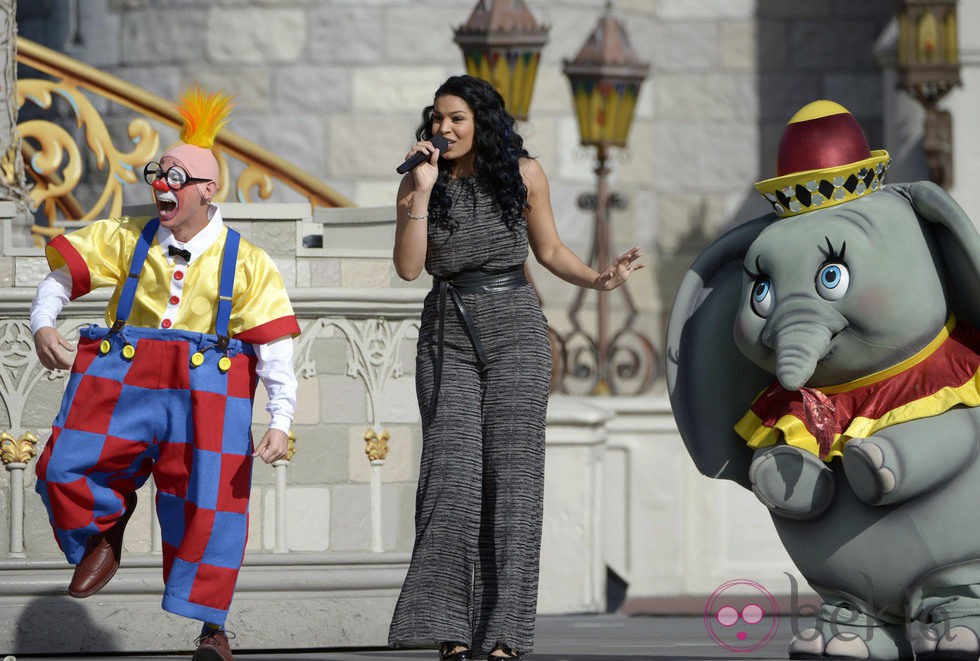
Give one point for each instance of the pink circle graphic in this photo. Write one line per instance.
(727, 616)
(741, 631)
(753, 613)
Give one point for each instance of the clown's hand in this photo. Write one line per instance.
(619, 271)
(273, 446)
(52, 348)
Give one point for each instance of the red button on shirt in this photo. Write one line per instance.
(166, 323)
(174, 300)
(178, 275)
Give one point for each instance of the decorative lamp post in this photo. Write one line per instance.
(928, 68)
(605, 80)
(501, 43)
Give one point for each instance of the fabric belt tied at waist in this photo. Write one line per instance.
(469, 282)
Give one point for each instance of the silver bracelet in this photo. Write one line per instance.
(419, 217)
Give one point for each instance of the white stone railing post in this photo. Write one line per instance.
(376, 450)
(15, 455)
(16, 470)
(280, 466)
(377, 543)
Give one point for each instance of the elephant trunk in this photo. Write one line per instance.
(800, 333)
(798, 349)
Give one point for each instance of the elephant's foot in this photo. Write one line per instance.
(954, 639)
(868, 469)
(840, 632)
(791, 482)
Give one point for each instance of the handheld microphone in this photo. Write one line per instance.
(438, 141)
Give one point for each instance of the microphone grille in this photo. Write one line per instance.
(439, 142)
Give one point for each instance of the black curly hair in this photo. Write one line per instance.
(497, 150)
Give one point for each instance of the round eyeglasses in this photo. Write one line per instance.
(175, 176)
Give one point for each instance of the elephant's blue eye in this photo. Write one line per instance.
(832, 281)
(830, 276)
(762, 298)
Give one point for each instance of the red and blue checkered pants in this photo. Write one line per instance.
(190, 427)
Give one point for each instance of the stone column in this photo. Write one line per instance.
(280, 467)
(15, 455)
(376, 450)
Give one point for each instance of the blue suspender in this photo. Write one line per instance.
(229, 259)
(125, 305)
(226, 285)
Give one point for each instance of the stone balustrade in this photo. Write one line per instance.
(331, 529)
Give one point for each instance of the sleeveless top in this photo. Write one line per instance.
(475, 236)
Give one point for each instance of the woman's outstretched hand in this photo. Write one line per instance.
(619, 271)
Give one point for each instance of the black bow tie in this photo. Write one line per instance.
(180, 252)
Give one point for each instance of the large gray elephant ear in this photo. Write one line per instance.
(958, 242)
(710, 383)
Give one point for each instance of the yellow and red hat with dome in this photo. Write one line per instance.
(823, 160)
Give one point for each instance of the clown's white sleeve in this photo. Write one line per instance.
(52, 295)
(275, 368)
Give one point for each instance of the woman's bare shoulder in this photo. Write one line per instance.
(531, 170)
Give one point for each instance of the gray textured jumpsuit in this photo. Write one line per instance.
(474, 571)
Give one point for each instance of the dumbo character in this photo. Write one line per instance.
(826, 357)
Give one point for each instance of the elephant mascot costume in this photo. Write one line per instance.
(826, 356)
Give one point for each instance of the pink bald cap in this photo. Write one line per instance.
(198, 161)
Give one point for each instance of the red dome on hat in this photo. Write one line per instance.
(823, 134)
(823, 160)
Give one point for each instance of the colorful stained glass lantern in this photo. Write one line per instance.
(928, 68)
(605, 77)
(928, 54)
(501, 43)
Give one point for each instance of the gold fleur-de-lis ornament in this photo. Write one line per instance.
(377, 444)
(19, 451)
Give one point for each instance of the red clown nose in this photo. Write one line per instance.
(160, 185)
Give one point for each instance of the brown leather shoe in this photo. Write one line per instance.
(101, 559)
(212, 645)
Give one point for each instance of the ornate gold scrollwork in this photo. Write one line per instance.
(253, 177)
(18, 451)
(291, 447)
(54, 175)
(54, 160)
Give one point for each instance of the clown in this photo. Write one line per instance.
(165, 388)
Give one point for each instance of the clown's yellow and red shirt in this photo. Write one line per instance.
(99, 255)
(944, 374)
